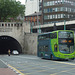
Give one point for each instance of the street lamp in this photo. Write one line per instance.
(55, 26)
(39, 30)
(64, 25)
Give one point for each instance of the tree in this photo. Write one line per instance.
(11, 9)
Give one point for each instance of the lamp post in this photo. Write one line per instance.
(31, 18)
(31, 28)
(55, 26)
(38, 30)
(64, 25)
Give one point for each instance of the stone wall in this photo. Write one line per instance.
(14, 30)
(30, 42)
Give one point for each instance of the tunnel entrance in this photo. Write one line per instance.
(7, 42)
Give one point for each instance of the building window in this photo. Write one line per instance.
(66, 9)
(53, 16)
(12, 25)
(9, 25)
(45, 17)
(45, 10)
(2, 24)
(5, 24)
(62, 1)
(61, 8)
(56, 16)
(68, 16)
(56, 2)
(48, 3)
(50, 16)
(59, 16)
(53, 9)
(53, 2)
(56, 9)
(48, 10)
(45, 4)
(64, 16)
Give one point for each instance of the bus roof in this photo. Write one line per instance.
(55, 31)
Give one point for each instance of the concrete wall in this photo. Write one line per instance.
(15, 30)
(20, 32)
(30, 42)
(26, 27)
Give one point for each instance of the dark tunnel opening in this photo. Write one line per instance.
(7, 42)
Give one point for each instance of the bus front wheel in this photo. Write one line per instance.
(41, 55)
(51, 57)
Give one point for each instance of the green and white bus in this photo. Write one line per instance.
(56, 45)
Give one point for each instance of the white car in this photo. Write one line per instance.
(15, 52)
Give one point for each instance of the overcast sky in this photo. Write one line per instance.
(22, 1)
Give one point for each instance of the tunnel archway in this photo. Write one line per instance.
(7, 42)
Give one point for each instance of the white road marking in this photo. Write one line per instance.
(64, 63)
(15, 70)
(26, 57)
(68, 63)
(3, 62)
(52, 61)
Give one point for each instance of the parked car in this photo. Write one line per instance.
(15, 52)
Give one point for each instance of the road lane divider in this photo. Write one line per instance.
(14, 69)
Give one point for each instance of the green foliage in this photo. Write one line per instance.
(10, 9)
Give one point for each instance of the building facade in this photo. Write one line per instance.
(31, 6)
(58, 10)
(33, 13)
(54, 11)
(34, 20)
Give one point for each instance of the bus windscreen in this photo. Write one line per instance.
(66, 42)
(64, 34)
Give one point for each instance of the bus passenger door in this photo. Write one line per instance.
(55, 48)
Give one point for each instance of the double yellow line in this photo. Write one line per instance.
(16, 69)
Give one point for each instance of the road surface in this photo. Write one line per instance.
(33, 65)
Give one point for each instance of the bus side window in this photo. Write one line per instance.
(44, 37)
(47, 36)
(53, 35)
(39, 48)
(39, 37)
(46, 48)
(43, 48)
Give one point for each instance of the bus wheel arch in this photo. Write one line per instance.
(42, 55)
(51, 56)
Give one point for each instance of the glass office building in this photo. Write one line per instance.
(58, 10)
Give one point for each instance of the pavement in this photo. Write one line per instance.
(5, 70)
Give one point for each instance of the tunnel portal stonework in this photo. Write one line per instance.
(15, 30)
